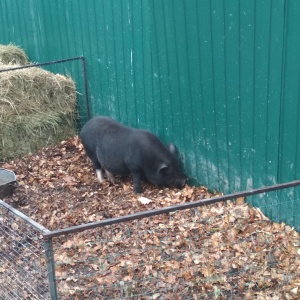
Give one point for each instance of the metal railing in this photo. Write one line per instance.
(178, 252)
(62, 62)
(23, 263)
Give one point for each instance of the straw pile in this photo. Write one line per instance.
(37, 109)
(12, 54)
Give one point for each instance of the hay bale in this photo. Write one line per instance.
(28, 134)
(31, 90)
(37, 109)
(11, 55)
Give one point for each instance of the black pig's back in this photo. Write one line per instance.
(121, 149)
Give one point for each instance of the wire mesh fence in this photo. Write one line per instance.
(224, 250)
(23, 266)
(280, 205)
(221, 251)
(74, 68)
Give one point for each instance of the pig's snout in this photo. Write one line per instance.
(180, 183)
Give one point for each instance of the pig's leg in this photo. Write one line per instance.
(99, 175)
(136, 176)
(110, 176)
(98, 169)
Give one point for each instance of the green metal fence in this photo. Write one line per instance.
(219, 78)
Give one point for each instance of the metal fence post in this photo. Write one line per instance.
(50, 268)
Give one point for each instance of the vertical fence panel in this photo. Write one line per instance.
(217, 16)
(183, 31)
(261, 72)
(247, 79)
(147, 17)
(165, 35)
(277, 25)
(289, 143)
(268, 46)
(161, 97)
(231, 31)
(195, 94)
(208, 156)
(290, 94)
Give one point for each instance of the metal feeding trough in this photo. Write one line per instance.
(8, 183)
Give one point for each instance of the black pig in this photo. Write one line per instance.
(123, 150)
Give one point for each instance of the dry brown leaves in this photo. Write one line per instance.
(58, 188)
(222, 251)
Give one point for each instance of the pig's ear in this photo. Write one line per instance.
(163, 167)
(172, 148)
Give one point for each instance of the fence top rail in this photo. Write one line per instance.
(25, 218)
(149, 213)
(43, 64)
(82, 58)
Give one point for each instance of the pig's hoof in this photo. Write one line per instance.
(110, 176)
(138, 189)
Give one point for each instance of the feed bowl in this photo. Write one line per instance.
(8, 183)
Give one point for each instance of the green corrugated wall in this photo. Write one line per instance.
(220, 78)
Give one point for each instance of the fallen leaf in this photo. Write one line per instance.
(144, 200)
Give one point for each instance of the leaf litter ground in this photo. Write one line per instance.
(222, 251)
